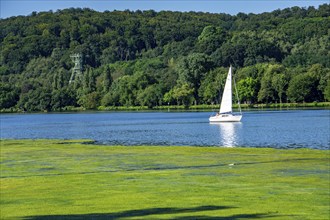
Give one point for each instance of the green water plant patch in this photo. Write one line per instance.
(56, 179)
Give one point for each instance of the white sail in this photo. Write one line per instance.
(226, 101)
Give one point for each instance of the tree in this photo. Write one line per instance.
(89, 81)
(323, 76)
(183, 94)
(279, 83)
(58, 79)
(90, 100)
(123, 91)
(267, 89)
(151, 96)
(327, 91)
(191, 71)
(38, 99)
(210, 39)
(301, 88)
(229, 54)
(266, 93)
(62, 97)
(169, 97)
(107, 79)
(9, 95)
(212, 84)
(247, 89)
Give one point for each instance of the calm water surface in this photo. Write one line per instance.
(277, 129)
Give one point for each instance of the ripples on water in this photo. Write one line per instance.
(276, 129)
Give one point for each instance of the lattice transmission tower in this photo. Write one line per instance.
(77, 70)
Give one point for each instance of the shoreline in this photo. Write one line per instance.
(276, 106)
(90, 142)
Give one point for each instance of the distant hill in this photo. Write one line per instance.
(153, 58)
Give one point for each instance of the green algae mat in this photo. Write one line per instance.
(56, 179)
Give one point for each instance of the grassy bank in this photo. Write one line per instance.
(251, 106)
(212, 107)
(54, 179)
(184, 108)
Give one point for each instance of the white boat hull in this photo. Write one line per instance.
(225, 118)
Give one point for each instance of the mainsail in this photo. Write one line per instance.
(226, 101)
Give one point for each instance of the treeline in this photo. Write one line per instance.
(148, 58)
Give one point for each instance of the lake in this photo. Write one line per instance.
(275, 129)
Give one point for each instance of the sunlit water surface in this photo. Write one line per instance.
(276, 129)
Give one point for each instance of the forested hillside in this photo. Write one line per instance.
(148, 58)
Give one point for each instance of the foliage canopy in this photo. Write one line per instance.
(153, 58)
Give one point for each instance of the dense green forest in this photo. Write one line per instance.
(148, 58)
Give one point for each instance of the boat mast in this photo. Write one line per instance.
(238, 102)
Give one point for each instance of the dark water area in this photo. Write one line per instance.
(276, 129)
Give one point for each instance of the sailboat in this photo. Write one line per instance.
(226, 108)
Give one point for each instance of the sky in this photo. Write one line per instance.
(26, 7)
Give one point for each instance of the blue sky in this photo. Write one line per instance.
(25, 7)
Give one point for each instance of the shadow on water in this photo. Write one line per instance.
(154, 211)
